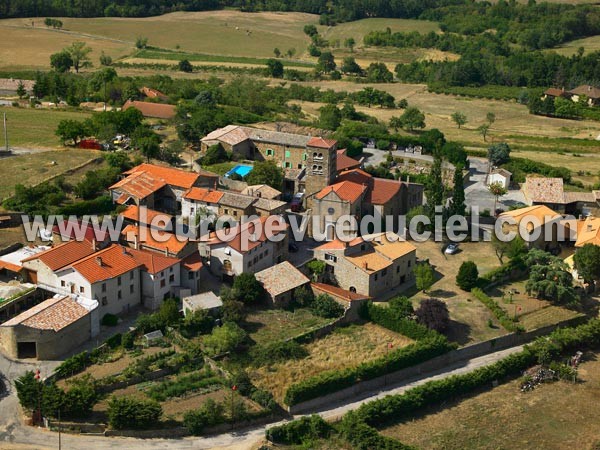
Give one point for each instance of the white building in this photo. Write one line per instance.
(501, 176)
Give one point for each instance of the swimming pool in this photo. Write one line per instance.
(240, 170)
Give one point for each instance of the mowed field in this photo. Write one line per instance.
(554, 416)
(26, 47)
(590, 44)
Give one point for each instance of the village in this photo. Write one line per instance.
(228, 245)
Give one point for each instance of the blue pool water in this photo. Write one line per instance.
(240, 170)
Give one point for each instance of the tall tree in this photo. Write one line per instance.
(459, 118)
(458, 194)
(499, 153)
(587, 262)
(350, 43)
(435, 186)
(412, 118)
(433, 313)
(79, 52)
(326, 63)
(497, 190)
(424, 276)
(266, 172)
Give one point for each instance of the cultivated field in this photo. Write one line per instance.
(553, 416)
(26, 47)
(345, 347)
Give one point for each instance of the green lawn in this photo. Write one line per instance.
(34, 128)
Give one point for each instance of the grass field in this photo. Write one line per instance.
(34, 168)
(273, 325)
(557, 416)
(34, 128)
(590, 44)
(345, 347)
(27, 47)
(359, 28)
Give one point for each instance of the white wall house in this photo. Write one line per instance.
(501, 176)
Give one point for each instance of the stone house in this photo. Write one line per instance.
(280, 282)
(541, 226)
(247, 247)
(351, 301)
(338, 200)
(550, 192)
(372, 266)
(262, 191)
(590, 93)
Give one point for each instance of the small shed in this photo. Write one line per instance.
(501, 176)
(281, 281)
(152, 337)
(208, 301)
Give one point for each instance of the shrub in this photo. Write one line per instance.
(467, 276)
(299, 431)
(248, 289)
(224, 339)
(128, 340)
(131, 413)
(263, 355)
(209, 414)
(73, 365)
(394, 319)
(433, 313)
(114, 341)
(325, 306)
(110, 320)
(184, 384)
(499, 312)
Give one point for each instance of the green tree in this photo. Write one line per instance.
(403, 103)
(79, 52)
(149, 147)
(141, 42)
(276, 52)
(497, 190)
(513, 249)
(71, 130)
(105, 60)
(28, 390)
(459, 119)
(467, 276)
(491, 118)
(274, 68)
(395, 123)
(326, 62)
(248, 289)
(499, 154)
(350, 43)
(265, 172)
(435, 186)
(209, 414)
(483, 131)
(21, 91)
(291, 52)
(224, 339)
(424, 276)
(458, 206)
(310, 30)
(325, 306)
(215, 154)
(316, 268)
(379, 73)
(402, 306)
(349, 65)
(131, 413)
(330, 117)
(61, 61)
(587, 262)
(185, 66)
(412, 118)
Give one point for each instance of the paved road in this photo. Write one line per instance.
(11, 429)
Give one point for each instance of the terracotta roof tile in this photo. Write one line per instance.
(70, 229)
(171, 243)
(234, 235)
(381, 190)
(170, 175)
(262, 191)
(109, 263)
(63, 255)
(52, 314)
(152, 262)
(344, 162)
(156, 110)
(133, 213)
(281, 278)
(541, 212)
(345, 190)
(139, 185)
(544, 190)
(340, 293)
(203, 195)
(587, 90)
(193, 263)
(320, 142)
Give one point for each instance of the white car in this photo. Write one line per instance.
(451, 249)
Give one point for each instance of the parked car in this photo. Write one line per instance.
(451, 249)
(296, 203)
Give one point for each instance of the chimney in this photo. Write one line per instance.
(135, 241)
(99, 261)
(365, 265)
(589, 227)
(94, 245)
(166, 251)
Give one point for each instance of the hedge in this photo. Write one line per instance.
(335, 380)
(364, 437)
(499, 312)
(298, 431)
(387, 318)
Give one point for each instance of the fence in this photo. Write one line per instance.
(365, 389)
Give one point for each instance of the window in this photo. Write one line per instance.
(118, 281)
(235, 213)
(304, 156)
(260, 256)
(131, 289)
(299, 166)
(103, 287)
(384, 272)
(119, 296)
(249, 263)
(314, 155)
(171, 269)
(288, 165)
(104, 301)
(398, 269)
(330, 211)
(171, 278)
(81, 289)
(287, 154)
(376, 276)
(266, 252)
(409, 263)
(62, 283)
(318, 156)
(131, 275)
(270, 152)
(162, 283)
(330, 257)
(191, 276)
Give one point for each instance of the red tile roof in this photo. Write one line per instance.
(382, 191)
(320, 142)
(170, 175)
(70, 226)
(344, 162)
(109, 263)
(336, 244)
(193, 263)
(203, 195)
(356, 176)
(139, 185)
(153, 93)
(152, 262)
(339, 292)
(234, 235)
(63, 255)
(168, 241)
(52, 314)
(156, 110)
(345, 190)
(554, 92)
(133, 213)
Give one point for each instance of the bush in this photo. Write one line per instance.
(299, 431)
(75, 364)
(395, 319)
(499, 312)
(184, 384)
(325, 306)
(433, 313)
(263, 355)
(128, 340)
(335, 380)
(224, 339)
(209, 414)
(131, 413)
(467, 276)
(110, 320)
(114, 341)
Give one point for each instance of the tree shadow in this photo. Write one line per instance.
(458, 332)
(442, 293)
